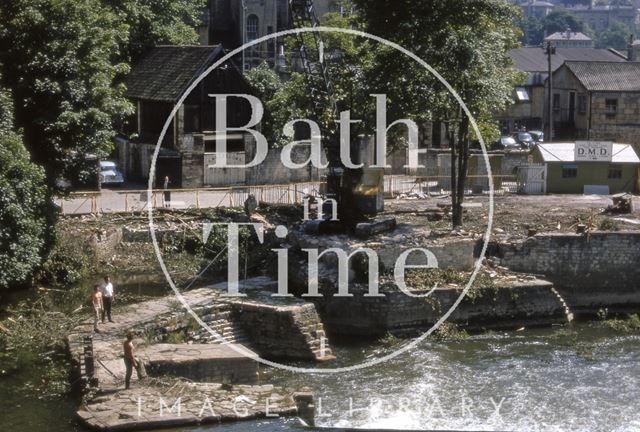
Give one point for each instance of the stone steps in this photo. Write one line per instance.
(220, 320)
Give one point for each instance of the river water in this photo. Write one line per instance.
(583, 377)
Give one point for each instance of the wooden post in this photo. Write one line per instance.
(197, 198)
(126, 202)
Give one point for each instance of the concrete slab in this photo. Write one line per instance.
(225, 363)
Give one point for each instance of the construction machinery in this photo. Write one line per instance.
(357, 192)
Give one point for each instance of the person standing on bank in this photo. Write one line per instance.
(130, 360)
(167, 192)
(96, 300)
(107, 298)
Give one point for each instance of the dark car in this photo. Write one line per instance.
(506, 143)
(525, 140)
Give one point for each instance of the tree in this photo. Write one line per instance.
(616, 36)
(23, 207)
(153, 22)
(532, 30)
(269, 87)
(60, 65)
(288, 99)
(64, 61)
(467, 42)
(561, 19)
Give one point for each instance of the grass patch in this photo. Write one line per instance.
(449, 332)
(630, 325)
(608, 224)
(34, 341)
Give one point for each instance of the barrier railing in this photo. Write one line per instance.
(126, 201)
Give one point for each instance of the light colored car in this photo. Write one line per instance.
(109, 174)
(506, 143)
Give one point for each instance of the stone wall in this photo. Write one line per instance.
(530, 303)
(512, 160)
(624, 126)
(280, 331)
(457, 254)
(599, 271)
(273, 171)
(214, 363)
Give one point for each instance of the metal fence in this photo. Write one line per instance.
(126, 201)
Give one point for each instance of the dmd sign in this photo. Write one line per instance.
(599, 151)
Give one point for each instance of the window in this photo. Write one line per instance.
(522, 95)
(569, 171)
(615, 172)
(611, 107)
(252, 28)
(556, 102)
(582, 104)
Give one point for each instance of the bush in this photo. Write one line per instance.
(34, 341)
(630, 325)
(23, 212)
(608, 224)
(70, 261)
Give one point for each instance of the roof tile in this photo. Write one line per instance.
(165, 72)
(607, 76)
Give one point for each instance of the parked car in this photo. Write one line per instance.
(506, 143)
(109, 174)
(524, 139)
(537, 135)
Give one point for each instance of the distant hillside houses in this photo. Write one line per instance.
(598, 17)
(601, 17)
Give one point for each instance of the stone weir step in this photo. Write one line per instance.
(221, 321)
(290, 329)
(220, 363)
(166, 404)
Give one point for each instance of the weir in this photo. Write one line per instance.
(215, 370)
(590, 271)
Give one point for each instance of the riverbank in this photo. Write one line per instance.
(217, 369)
(525, 300)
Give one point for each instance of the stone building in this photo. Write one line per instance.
(529, 107)
(155, 84)
(235, 22)
(190, 147)
(598, 101)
